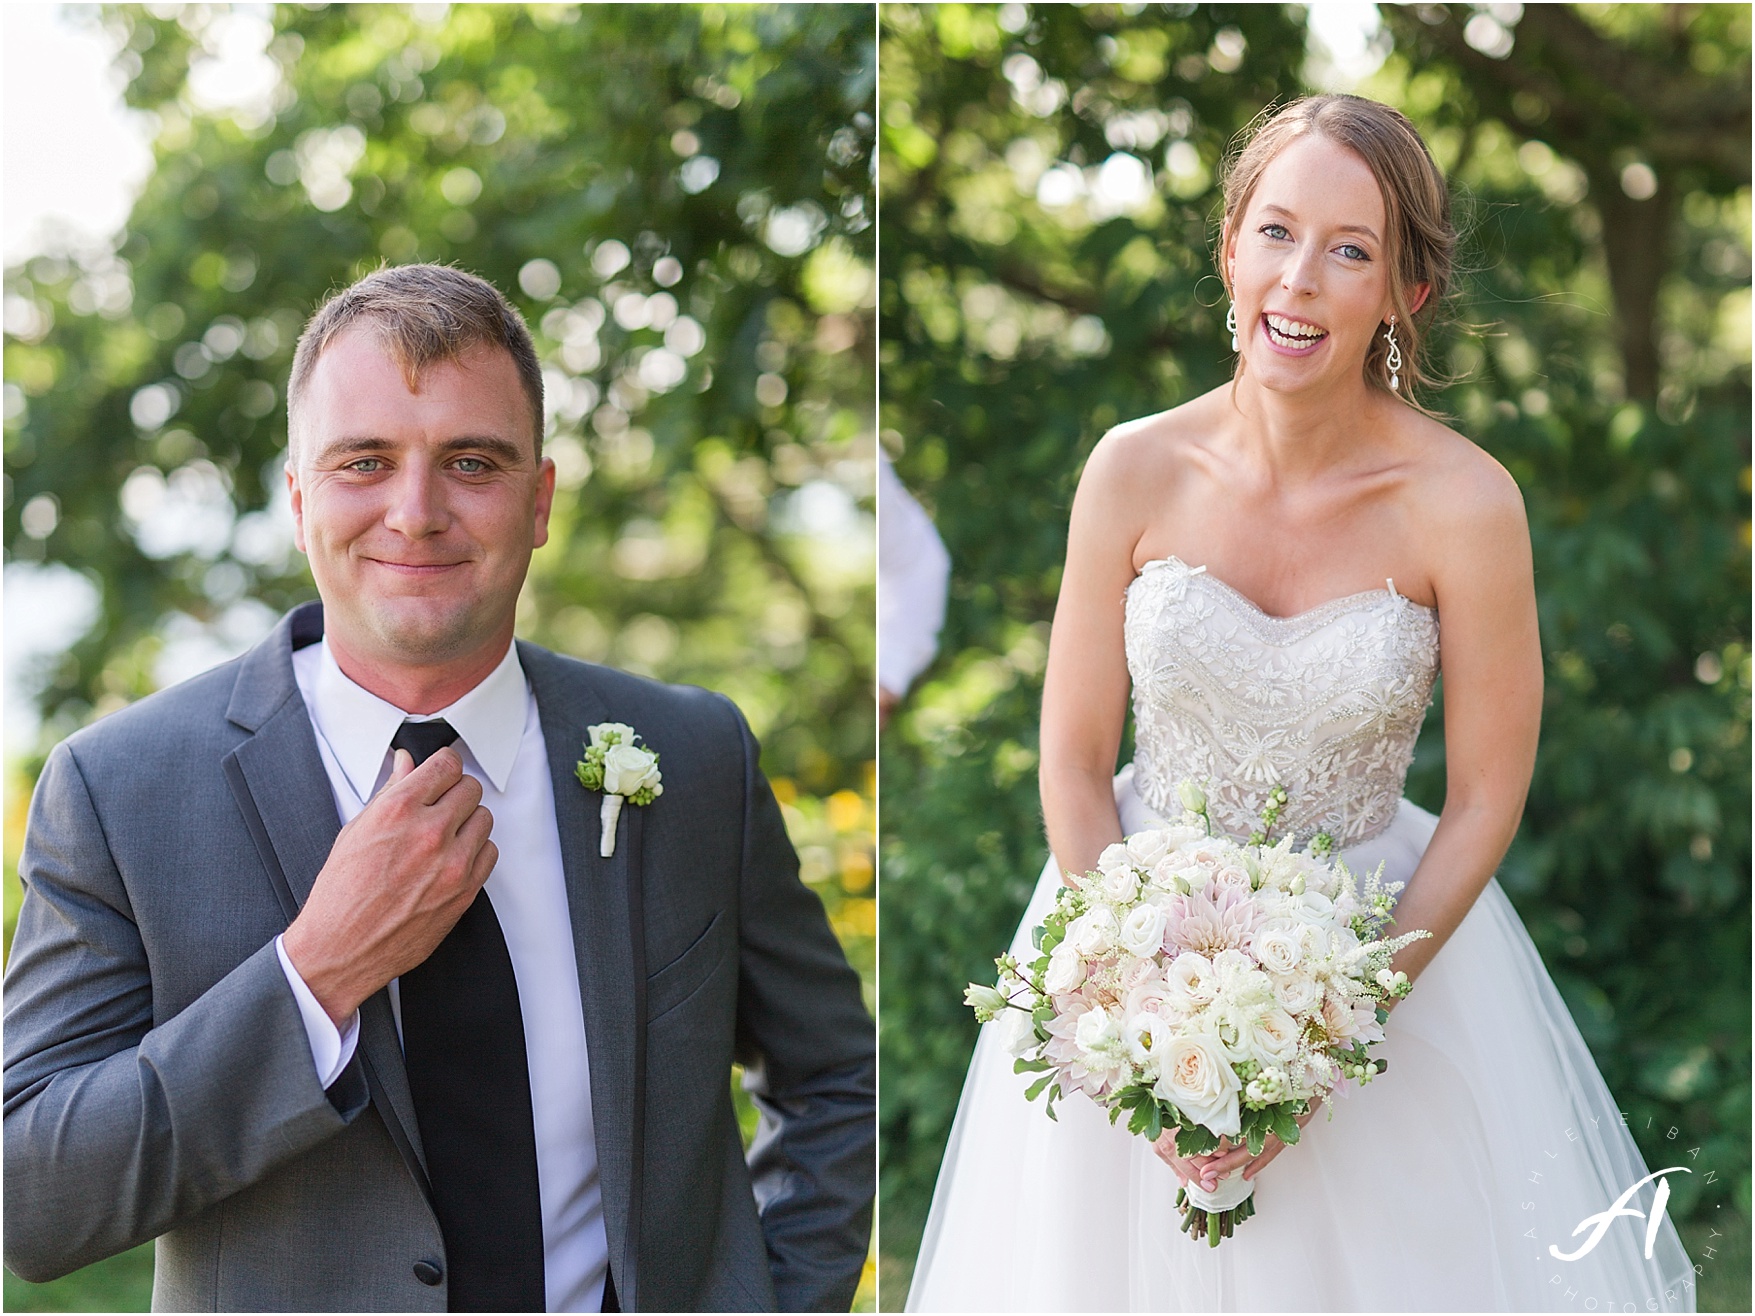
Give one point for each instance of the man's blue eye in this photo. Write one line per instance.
(472, 465)
(365, 465)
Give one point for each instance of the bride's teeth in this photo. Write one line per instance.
(1296, 332)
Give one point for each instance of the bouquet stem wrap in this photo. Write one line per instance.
(1232, 1191)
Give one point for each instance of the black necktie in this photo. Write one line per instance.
(463, 1040)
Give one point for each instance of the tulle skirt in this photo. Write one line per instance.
(1438, 1188)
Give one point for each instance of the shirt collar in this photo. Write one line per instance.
(358, 725)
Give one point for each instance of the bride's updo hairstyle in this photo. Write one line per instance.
(1420, 245)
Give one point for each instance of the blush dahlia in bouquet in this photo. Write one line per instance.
(1215, 987)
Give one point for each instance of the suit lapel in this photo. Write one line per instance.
(608, 945)
(283, 791)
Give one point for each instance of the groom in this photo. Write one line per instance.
(330, 974)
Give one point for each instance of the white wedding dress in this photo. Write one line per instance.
(1438, 1188)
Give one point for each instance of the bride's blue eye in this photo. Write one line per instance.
(1275, 231)
(1352, 252)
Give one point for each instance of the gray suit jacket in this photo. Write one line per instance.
(158, 1081)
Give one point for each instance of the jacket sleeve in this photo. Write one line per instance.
(810, 1057)
(118, 1128)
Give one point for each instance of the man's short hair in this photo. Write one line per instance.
(423, 315)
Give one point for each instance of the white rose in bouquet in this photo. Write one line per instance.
(1196, 1076)
(1232, 875)
(1277, 946)
(1098, 1034)
(1017, 1034)
(1066, 970)
(1120, 886)
(1145, 848)
(1314, 908)
(1093, 933)
(1174, 875)
(1272, 1036)
(1113, 858)
(1190, 980)
(1142, 931)
(1297, 993)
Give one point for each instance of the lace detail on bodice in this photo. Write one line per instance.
(1327, 704)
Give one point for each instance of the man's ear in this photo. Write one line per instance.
(297, 498)
(545, 500)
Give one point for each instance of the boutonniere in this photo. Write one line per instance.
(622, 770)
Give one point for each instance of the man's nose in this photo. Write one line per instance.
(417, 503)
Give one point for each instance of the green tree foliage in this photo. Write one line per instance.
(680, 200)
(1048, 197)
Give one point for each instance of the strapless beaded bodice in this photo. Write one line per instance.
(1327, 704)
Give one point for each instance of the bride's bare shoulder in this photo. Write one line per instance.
(1456, 477)
(1143, 454)
(1468, 505)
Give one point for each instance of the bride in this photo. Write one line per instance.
(1268, 564)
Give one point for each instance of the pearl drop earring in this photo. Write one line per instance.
(1394, 360)
(1231, 324)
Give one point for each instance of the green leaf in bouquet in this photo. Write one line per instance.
(1285, 1125)
(1256, 1127)
(1037, 935)
(1024, 1065)
(1193, 1140)
(1382, 1015)
(1042, 1014)
(1146, 1121)
(1154, 1121)
(1037, 1088)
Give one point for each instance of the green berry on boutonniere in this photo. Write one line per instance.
(622, 770)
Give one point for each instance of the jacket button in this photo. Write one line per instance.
(428, 1272)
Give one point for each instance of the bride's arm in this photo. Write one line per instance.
(1492, 663)
(1084, 694)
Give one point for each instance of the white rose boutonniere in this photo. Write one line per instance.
(622, 770)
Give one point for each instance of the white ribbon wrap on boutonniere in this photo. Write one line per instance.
(622, 770)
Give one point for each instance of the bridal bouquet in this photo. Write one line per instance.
(1202, 984)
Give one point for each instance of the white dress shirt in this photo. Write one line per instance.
(913, 573)
(500, 738)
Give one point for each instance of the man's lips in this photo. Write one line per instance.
(415, 569)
